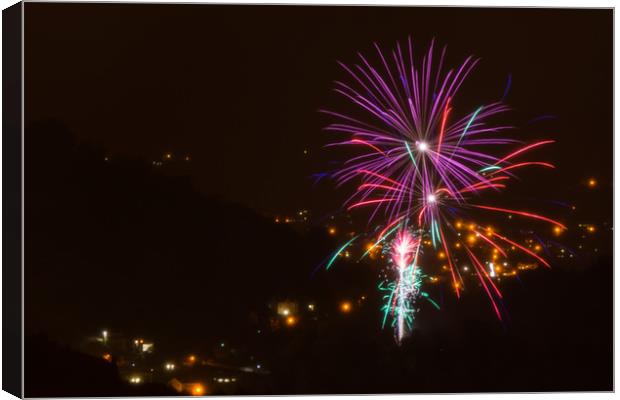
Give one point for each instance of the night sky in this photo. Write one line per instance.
(239, 88)
(113, 240)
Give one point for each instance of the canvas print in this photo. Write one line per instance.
(288, 200)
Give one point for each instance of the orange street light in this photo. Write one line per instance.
(198, 390)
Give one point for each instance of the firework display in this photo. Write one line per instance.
(422, 168)
(402, 284)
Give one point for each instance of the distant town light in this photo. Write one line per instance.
(198, 390)
(492, 270)
(291, 321)
(592, 182)
(345, 307)
(135, 380)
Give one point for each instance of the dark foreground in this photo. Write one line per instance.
(117, 244)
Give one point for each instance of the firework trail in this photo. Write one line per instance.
(404, 289)
(423, 165)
